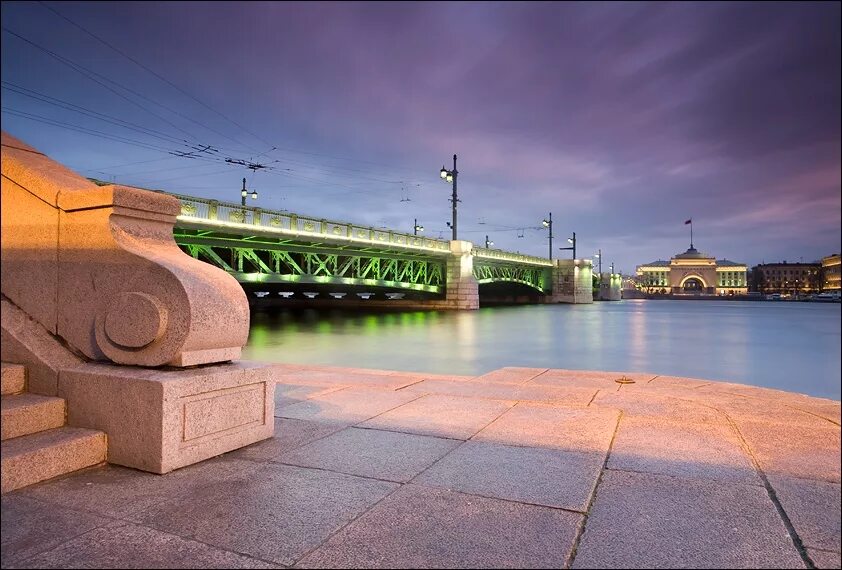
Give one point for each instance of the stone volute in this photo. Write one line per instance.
(98, 267)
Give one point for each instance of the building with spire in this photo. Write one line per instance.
(693, 273)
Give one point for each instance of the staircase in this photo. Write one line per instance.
(36, 443)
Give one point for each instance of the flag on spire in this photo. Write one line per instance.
(690, 221)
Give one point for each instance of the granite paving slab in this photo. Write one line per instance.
(642, 520)
(769, 394)
(385, 455)
(118, 491)
(749, 408)
(344, 376)
(289, 435)
(585, 429)
(346, 407)
(420, 527)
(679, 490)
(648, 404)
(814, 509)
(369, 372)
(286, 394)
(30, 526)
(665, 381)
(547, 477)
(827, 409)
(588, 378)
(567, 395)
(441, 416)
(824, 558)
(126, 545)
(805, 451)
(510, 375)
(278, 514)
(656, 445)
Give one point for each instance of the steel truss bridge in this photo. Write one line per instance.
(269, 247)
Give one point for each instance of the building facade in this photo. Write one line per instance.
(787, 278)
(830, 273)
(693, 273)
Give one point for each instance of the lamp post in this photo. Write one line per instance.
(416, 228)
(599, 257)
(549, 225)
(244, 193)
(451, 176)
(571, 240)
(488, 243)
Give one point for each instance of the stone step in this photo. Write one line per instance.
(47, 454)
(14, 378)
(23, 414)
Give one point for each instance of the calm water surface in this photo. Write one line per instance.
(790, 346)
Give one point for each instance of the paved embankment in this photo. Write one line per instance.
(517, 468)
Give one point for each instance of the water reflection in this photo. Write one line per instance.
(792, 346)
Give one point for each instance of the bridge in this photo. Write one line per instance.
(271, 251)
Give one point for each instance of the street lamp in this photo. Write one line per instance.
(416, 228)
(599, 257)
(549, 224)
(451, 176)
(571, 240)
(244, 193)
(488, 243)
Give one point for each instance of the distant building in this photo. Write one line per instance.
(787, 278)
(830, 273)
(693, 273)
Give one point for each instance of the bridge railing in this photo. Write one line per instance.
(500, 255)
(233, 215)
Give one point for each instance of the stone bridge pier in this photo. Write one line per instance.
(610, 285)
(572, 281)
(462, 287)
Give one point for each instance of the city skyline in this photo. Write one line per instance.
(623, 120)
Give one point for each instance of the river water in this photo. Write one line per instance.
(785, 345)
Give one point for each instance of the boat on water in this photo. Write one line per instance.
(827, 298)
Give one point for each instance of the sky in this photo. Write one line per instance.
(622, 119)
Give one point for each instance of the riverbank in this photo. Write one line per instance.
(519, 467)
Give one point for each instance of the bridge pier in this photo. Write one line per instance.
(609, 287)
(572, 281)
(462, 288)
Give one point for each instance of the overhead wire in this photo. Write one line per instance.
(153, 72)
(94, 114)
(322, 169)
(89, 74)
(191, 96)
(131, 163)
(49, 121)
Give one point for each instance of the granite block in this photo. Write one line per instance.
(441, 416)
(419, 527)
(372, 453)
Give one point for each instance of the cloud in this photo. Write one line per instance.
(622, 119)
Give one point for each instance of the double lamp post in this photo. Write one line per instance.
(452, 176)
